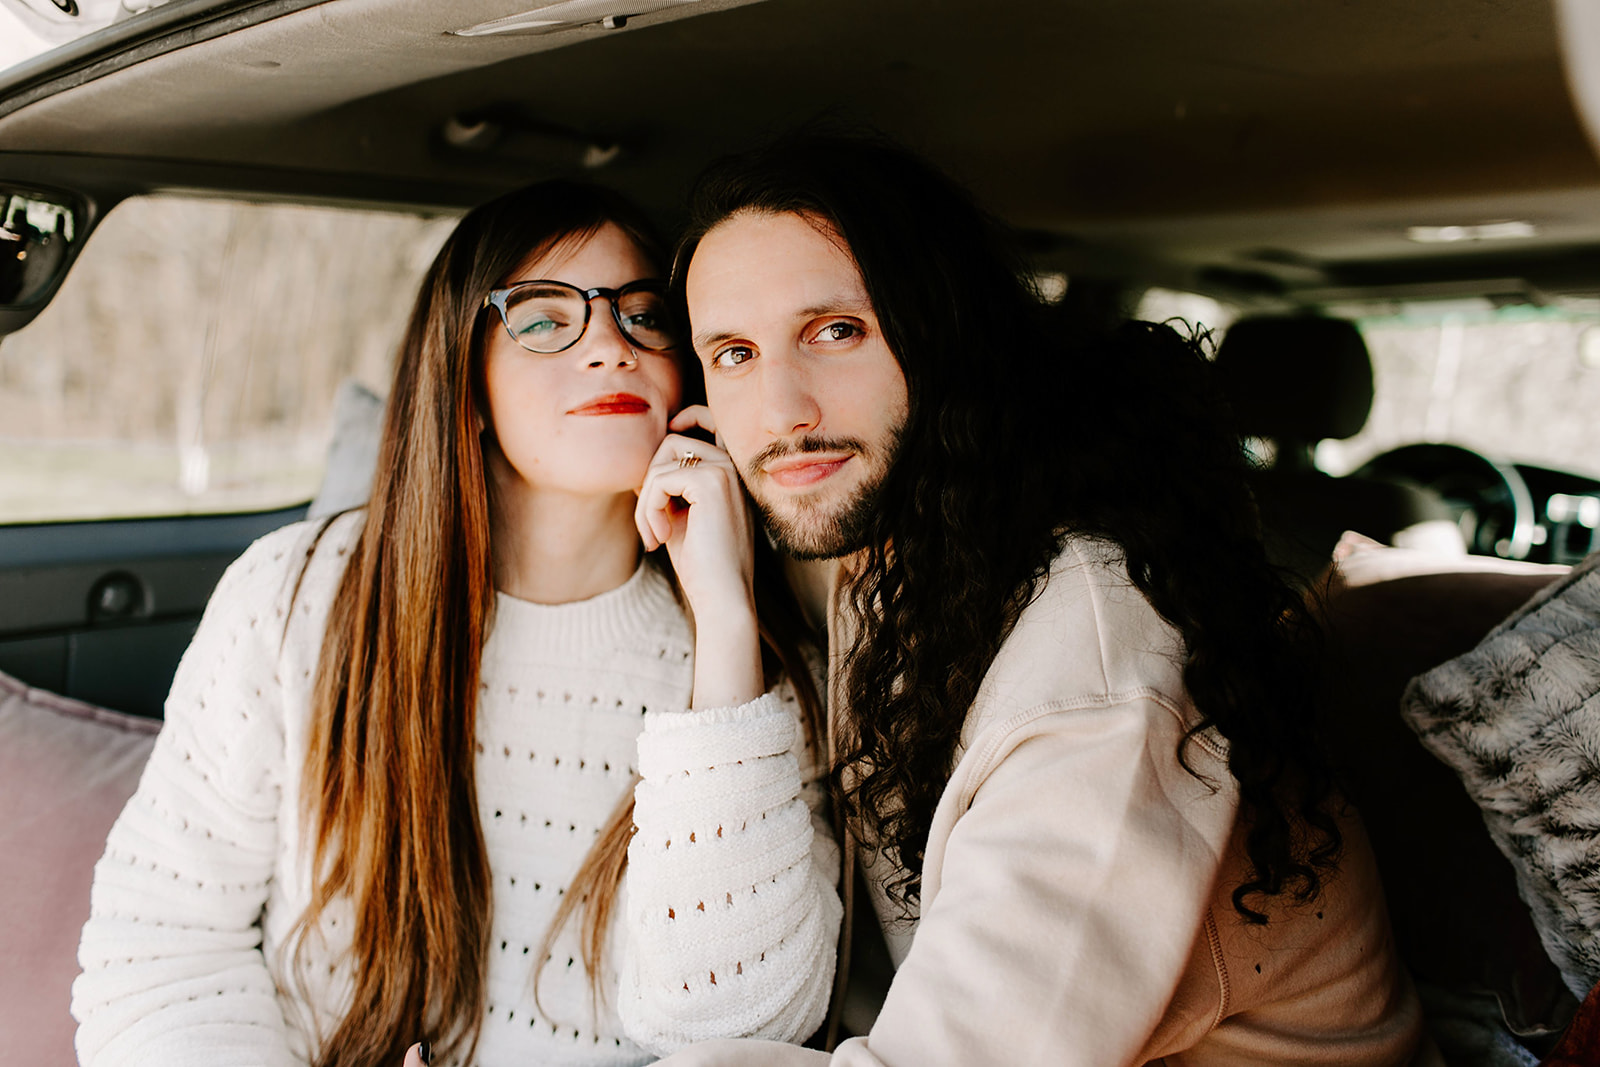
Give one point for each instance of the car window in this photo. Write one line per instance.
(1517, 384)
(1201, 313)
(190, 360)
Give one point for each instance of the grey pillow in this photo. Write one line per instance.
(353, 452)
(1518, 719)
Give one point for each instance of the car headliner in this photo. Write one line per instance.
(1249, 147)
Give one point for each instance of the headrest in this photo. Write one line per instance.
(353, 452)
(1296, 378)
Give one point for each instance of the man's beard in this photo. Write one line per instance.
(808, 532)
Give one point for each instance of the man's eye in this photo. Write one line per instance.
(732, 356)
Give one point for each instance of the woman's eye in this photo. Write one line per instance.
(538, 326)
(732, 356)
(642, 321)
(837, 331)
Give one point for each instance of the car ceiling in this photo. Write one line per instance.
(1252, 147)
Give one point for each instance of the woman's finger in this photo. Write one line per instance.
(659, 504)
(692, 416)
(677, 476)
(649, 516)
(676, 449)
(670, 486)
(693, 485)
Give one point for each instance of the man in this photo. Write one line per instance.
(1067, 698)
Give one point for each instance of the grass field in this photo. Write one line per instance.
(65, 480)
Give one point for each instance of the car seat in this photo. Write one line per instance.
(1460, 925)
(1294, 381)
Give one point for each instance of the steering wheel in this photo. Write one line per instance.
(1488, 498)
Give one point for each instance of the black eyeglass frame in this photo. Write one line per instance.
(497, 300)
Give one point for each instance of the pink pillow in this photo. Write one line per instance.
(66, 770)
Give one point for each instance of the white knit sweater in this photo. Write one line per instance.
(728, 931)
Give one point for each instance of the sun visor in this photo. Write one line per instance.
(1578, 24)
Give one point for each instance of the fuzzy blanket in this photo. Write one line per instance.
(1518, 718)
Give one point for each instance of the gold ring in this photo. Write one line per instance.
(688, 459)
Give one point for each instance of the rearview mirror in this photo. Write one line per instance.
(39, 231)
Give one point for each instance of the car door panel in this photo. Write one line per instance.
(102, 611)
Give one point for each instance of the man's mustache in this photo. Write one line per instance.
(799, 446)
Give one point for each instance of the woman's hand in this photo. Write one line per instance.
(692, 502)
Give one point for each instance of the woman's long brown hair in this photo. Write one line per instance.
(390, 796)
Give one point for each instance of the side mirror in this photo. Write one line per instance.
(40, 232)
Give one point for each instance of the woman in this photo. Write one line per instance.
(393, 799)
(1072, 702)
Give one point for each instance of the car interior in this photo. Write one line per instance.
(1315, 172)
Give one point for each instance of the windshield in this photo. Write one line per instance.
(30, 28)
(1518, 383)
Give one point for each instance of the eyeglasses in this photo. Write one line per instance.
(548, 316)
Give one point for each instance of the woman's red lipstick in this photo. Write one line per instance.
(613, 404)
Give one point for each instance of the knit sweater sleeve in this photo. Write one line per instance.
(733, 907)
(173, 971)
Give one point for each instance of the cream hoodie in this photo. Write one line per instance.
(1076, 888)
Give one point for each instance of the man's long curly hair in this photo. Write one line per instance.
(1023, 431)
